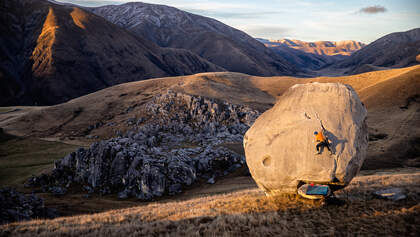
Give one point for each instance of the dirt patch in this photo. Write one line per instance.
(236, 147)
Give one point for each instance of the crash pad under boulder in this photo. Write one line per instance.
(280, 147)
(314, 191)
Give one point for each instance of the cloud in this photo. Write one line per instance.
(231, 14)
(91, 3)
(267, 31)
(373, 9)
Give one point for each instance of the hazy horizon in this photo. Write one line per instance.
(306, 20)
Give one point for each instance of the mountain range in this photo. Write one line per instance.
(51, 53)
(310, 56)
(329, 48)
(394, 50)
(221, 44)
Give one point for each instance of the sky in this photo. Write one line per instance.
(307, 20)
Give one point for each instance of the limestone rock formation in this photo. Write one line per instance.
(15, 206)
(178, 143)
(280, 147)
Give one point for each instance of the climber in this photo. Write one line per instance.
(323, 142)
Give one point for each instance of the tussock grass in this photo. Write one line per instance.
(251, 213)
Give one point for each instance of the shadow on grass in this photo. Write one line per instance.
(370, 218)
(21, 157)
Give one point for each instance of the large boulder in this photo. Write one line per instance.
(280, 146)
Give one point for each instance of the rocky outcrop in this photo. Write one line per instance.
(179, 142)
(15, 206)
(280, 147)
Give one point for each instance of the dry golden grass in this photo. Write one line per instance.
(44, 45)
(251, 213)
(378, 90)
(79, 17)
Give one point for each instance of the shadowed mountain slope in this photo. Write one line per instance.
(52, 53)
(220, 44)
(394, 50)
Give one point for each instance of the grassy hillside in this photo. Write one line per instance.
(22, 157)
(391, 96)
(249, 213)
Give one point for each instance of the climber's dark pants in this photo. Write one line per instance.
(323, 144)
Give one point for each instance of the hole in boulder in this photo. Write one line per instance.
(266, 160)
(378, 136)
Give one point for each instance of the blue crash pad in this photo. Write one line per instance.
(317, 190)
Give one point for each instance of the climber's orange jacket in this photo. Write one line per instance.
(320, 137)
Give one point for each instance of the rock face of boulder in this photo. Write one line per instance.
(280, 147)
(178, 142)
